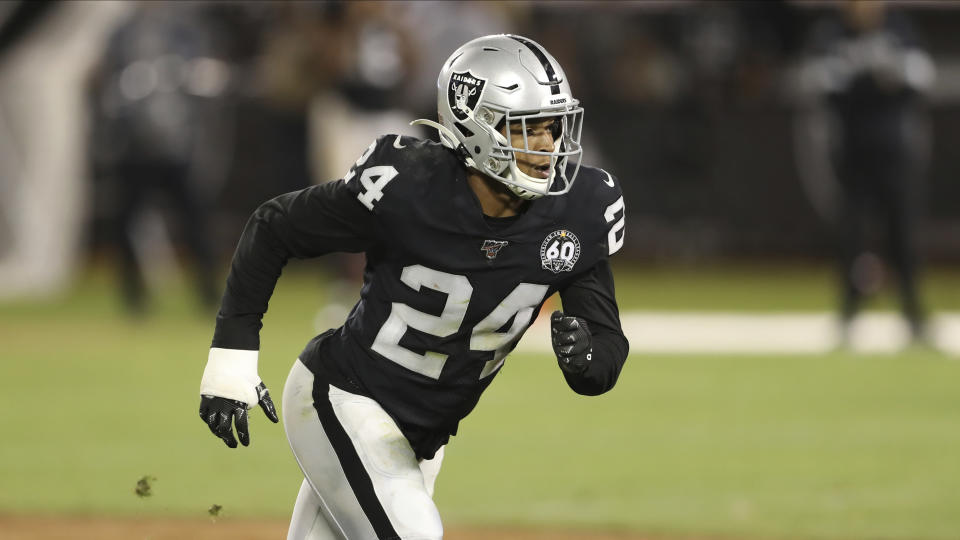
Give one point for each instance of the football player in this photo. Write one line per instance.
(464, 240)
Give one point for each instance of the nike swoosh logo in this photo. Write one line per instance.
(508, 88)
(609, 180)
(398, 146)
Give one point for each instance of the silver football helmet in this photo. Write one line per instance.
(493, 83)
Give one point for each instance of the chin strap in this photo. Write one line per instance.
(514, 173)
(448, 139)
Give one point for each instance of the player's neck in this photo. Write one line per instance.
(495, 199)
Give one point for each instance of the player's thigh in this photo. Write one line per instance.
(358, 462)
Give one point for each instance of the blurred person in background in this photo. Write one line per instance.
(869, 71)
(156, 106)
(372, 55)
(283, 60)
(431, 42)
(47, 50)
(465, 240)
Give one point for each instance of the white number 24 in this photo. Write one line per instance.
(373, 179)
(519, 304)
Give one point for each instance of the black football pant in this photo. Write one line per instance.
(166, 185)
(879, 191)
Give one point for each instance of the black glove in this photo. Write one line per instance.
(220, 413)
(572, 342)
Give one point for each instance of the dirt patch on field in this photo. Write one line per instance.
(61, 528)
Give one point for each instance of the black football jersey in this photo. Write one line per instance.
(447, 292)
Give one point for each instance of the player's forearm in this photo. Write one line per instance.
(238, 331)
(592, 298)
(609, 354)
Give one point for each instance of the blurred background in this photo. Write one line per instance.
(789, 281)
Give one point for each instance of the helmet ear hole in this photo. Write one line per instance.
(486, 116)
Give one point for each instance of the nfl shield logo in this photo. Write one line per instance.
(464, 93)
(492, 247)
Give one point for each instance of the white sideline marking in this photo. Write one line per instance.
(773, 333)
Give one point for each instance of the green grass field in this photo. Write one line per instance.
(837, 446)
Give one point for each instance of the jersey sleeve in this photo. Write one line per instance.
(614, 213)
(592, 298)
(303, 224)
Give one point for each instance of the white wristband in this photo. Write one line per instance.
(232, 374)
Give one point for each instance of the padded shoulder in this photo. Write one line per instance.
(596, 195)
(395, 170)
(596, 185)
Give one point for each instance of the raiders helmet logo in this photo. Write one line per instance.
(464, 93)
(560, 251)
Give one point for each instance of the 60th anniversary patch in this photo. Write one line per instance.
(560, 251)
